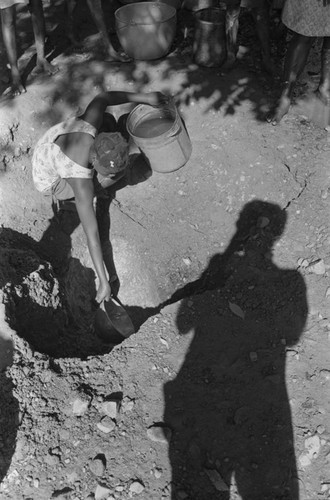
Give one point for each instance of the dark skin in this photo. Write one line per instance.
(77, 147)
(95, 8)
(261, 19)
(295, 61)
(8, 24)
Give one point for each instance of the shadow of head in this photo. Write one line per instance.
(262, 221)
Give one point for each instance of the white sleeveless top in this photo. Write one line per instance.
(49, 163)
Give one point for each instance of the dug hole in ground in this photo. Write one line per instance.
(223, 392)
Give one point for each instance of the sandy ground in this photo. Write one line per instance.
(223, 392)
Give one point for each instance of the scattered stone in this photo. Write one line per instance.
(303, 262)
(160, 434)
(312, 446)
(235, 309)
(304, 460)
(98, 465)
(216, 480)
(157, 473)
(182, 495)
(317, 267)
(127, 405)
(136, 488)
(110, 408)
(163, 341)
(262, 222)
(101, 492)
(52, 460)
(253, 356)
(242, 415)
(106, 425)
(325, 374)
(80, 406)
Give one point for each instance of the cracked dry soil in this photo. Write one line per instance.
(223, 392)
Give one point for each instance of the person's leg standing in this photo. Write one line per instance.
(261, 18)
(232, 23)
(8, 23)
(324, 86)
(38, 23)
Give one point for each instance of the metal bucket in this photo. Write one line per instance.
(146, 29)
(209, 47)
(166, 148)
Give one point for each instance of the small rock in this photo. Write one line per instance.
(262, 222)
(136, 488)
(303, 262)
(304, 460)
(159, 434)
(106, 425)
(320, 429)
(157, 473)
(36, 483)
(80, 406)
(253, 356)
(101, 492)
(127, 405)
(182, 495)
(52, 460)
(97, 466)
(327, 293)
(235, 309)
(313, 445)
(324, 373)
(317, 267)
(110, 408)
(216, 480)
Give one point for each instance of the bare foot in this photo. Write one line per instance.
(16, 88)
(43, 66)
(229, 62)
(113, 56)
(281, 110)
(323, 95)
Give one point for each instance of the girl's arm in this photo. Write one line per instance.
(84, 191)
(96, 108)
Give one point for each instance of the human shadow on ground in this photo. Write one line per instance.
(228, 405)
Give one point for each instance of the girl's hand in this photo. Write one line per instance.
(158, 99)
(103, 293)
